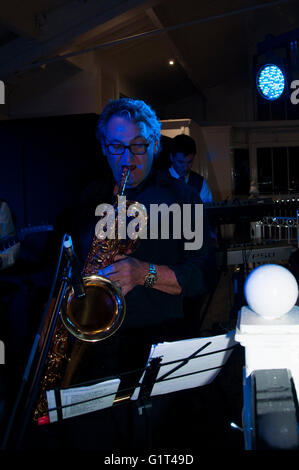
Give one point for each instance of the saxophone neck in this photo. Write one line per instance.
(124, 180)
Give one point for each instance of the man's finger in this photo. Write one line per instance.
(119, 257)
(107, 271)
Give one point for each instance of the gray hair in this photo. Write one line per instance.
(133, 110)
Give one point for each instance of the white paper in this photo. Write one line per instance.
(95, 397)
(52, 405)
(195, 372)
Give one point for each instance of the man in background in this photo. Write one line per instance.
(182, 157)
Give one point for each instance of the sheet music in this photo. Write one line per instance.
(200, 370)
(83, 399)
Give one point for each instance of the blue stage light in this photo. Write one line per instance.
(270, 81)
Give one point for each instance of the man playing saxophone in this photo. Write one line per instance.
(155, 278)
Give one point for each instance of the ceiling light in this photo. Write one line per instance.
(270, 81)
(171, 62)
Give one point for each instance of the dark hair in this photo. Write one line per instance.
(133, 110)
(183, 143)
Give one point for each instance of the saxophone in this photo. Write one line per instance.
(95, 317)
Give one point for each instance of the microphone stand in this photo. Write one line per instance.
(26, 413)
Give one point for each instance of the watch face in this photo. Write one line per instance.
(151, 278)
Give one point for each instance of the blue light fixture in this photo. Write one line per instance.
(270, 81)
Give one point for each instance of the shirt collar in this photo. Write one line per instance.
(175, 175)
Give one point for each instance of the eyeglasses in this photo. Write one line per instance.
(119, 149)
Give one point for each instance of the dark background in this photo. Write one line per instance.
(46, 163)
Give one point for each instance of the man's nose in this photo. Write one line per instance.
(128, 156)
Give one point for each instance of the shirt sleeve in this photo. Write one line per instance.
(205, 193)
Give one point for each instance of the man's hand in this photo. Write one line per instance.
(127, 272)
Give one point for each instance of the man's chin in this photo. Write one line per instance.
(132, 184)
(133, 181)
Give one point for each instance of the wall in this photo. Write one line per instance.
(228, 103)
(82, 85)
(66, 87)
(193, 107)
(216, 144)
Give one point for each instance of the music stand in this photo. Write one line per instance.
(171, 367)
(187, 363)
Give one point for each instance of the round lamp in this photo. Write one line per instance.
(271, 290)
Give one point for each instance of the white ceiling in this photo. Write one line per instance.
(216, 49)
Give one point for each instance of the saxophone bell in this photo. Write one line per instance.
(98, 314)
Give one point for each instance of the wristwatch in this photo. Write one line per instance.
(151, 277)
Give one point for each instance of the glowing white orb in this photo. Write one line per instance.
(271, 290)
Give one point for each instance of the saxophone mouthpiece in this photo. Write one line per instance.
(126, 170)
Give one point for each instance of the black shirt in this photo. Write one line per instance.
(193, 268)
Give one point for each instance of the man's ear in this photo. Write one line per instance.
(103, 147)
